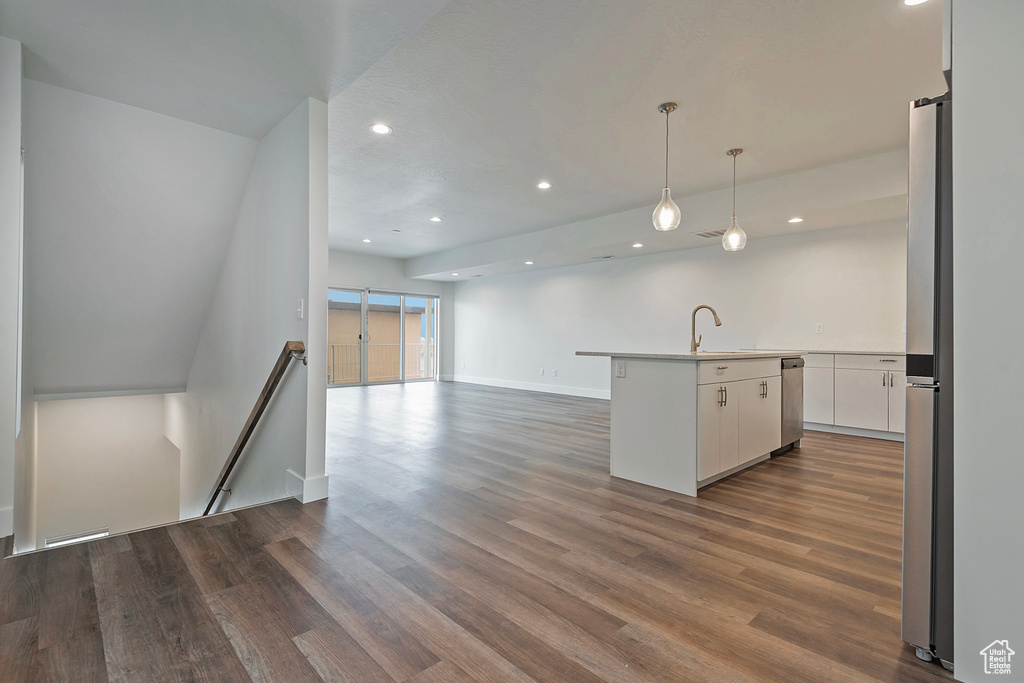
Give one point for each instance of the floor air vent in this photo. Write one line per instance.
(57, 541)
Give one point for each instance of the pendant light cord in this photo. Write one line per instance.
(734, 186)
(666, 147)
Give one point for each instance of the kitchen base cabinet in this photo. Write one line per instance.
(862, 399)
(760, 408)
(897, 401)
(717, 430)
(819, 394)
(737, 422)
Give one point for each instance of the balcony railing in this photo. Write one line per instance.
(383, 362)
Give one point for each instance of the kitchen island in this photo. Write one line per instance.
(683, 421)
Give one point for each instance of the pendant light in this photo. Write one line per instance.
(666, 213)
(734, 238)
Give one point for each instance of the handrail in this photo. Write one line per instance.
(292, 349)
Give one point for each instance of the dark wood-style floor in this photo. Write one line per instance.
(474, 534)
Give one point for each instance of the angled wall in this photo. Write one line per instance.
(276, 257)
(10, 272)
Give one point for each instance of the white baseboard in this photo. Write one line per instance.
(447, 378)
(606, 394)
(305, 490)
(853, 431)
(6, 521)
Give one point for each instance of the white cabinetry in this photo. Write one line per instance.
(868, 392)
(862, 399)
(760, 417)
(739, 420)
(717, 430)
(819, 388)
(897, 401)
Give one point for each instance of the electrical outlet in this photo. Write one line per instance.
(819, 328)
(620, 368)
(554, 373)
(542, 372)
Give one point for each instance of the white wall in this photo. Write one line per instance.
(348, 269)
(10, 270)
(270, 266)
(104, 462)
(770, 295)
(128, 215)
(988, 143)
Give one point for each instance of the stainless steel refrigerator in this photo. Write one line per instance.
(927, 610)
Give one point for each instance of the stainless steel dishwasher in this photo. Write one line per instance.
(792, 404)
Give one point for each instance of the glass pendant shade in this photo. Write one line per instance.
(734, 238)
(666, 213)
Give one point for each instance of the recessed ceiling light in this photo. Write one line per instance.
(435, 219)
(637, 245)
(796, 220)
(381, 128)
(914, 2)
(455, 274)
(544, 185)
(367, 241)
(529, 263)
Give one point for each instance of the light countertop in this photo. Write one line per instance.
(847, 352)
(702, 355)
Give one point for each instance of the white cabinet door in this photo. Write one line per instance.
(709, 426)
(862, 399)
(717, 429)
(897, 401)
(760, 418)
(771, 415)
(729, 433)
(819, 394)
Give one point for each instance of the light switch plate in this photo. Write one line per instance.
(301, 311)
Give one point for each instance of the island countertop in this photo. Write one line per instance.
(699, 356)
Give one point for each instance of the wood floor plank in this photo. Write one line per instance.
(388, 643)
(338, 658)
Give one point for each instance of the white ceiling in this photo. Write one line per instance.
(238, 66)
(487, 98)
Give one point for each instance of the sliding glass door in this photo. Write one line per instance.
(377, 337)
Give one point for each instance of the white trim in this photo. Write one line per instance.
(853, 431)
(728, 473)
(447, 378)
(306, 490)
(605, 394)
(107, 394)
(6, 521)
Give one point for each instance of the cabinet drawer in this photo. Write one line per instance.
(820, 360)
(712, 371)
(851, 361)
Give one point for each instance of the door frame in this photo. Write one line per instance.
(364, 339)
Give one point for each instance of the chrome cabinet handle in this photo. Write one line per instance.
(723, 367)
(726, 390)
(883, 379)
(886, 360)
(766, 389)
